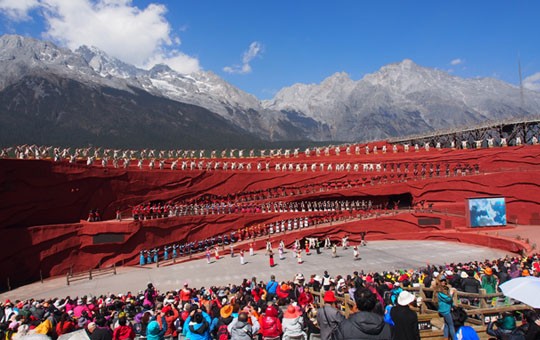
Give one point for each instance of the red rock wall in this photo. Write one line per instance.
(42, 204)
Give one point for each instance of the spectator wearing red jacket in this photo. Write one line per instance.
(270, 324)
(185, 294)
(65, 325)
(171, 314)
(124, 330)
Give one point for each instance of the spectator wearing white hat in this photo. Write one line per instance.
(405, 320)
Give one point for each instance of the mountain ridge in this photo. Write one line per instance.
(405, 92)
(399, 99)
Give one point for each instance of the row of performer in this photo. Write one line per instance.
(161, 210)
(60, 154)
(202, 165)
(212, 246)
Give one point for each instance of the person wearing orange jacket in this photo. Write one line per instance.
(171, 314)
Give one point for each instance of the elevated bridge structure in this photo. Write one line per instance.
(511, 132)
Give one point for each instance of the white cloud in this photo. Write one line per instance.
(255, 49)
(457, 61)
(176, 60)
(18, 10)
(131, 34)
(532, 82)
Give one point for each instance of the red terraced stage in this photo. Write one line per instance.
(44, 204)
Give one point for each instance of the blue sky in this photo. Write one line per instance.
(263, 46)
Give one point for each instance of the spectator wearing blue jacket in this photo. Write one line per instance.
(197, 325)
(154, 331)
(445, 300)
(271, 288)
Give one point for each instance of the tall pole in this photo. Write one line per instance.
(522, 101)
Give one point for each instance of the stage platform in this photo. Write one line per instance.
(376, 256)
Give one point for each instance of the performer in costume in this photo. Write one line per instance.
(271, 257)
(356, 253)
(141, 258)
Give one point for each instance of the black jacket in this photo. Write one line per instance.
(365, 325)
(405, 323)
(470, 285)
(101, 333)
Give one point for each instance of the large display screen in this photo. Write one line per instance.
(487, 211)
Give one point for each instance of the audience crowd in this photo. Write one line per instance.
(299, 308)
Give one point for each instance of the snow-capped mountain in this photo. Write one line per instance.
(403, 98)
(205, 89)
(399, 99)
(21, 56)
